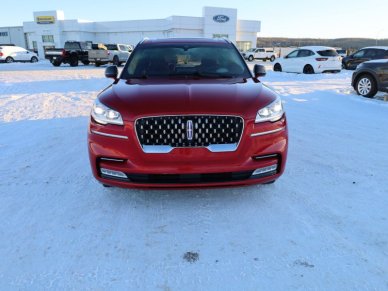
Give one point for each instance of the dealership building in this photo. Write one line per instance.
(50, 29)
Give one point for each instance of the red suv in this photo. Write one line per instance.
(187, 113)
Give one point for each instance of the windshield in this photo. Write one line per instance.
(187, 60)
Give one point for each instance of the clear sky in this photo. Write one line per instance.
(284, 18)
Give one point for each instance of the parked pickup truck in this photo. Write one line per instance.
(259, 54)
(110, 53)
(72, 53)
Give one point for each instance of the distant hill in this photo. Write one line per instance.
(346, 43)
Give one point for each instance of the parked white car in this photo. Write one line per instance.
(310, 60)
(10, 54)
(259, 54)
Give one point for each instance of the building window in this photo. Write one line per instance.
(244, 45)
(47, 38)
(3, 33)
(220, 35)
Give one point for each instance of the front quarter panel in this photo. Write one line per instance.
(368, 69)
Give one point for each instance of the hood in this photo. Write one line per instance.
(151, 98)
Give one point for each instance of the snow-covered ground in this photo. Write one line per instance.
(322, 226)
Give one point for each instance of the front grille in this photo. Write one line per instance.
(189, 178)
(189, 130)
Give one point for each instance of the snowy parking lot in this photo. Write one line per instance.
(322, 226)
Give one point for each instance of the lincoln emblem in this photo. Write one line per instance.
(189, 130)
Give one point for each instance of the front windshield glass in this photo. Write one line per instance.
(186, 60)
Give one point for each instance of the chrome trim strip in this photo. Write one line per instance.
(109, 135)
(212, 148)
(220, 148)
(267, 132)
(55, 54)
(157, 149)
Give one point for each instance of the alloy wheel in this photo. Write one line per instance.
(364, 86)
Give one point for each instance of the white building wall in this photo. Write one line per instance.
(13, 35)
(185, 33)
(247, 31)
(212, 27)
(34, 31)
(133, 31)
(187, 22)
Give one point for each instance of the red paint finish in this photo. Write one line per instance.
(138, 98)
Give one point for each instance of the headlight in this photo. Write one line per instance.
(104, 115)
(272, 112)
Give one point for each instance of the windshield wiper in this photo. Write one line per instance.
(215, 75)
(212, 75)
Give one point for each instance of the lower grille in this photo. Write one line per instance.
(189, 178)
(189, 131)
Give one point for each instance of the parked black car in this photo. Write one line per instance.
(363, 55)
(371, 77)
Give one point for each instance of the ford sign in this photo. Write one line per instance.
(221, 18)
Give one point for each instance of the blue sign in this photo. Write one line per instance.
(221, 18)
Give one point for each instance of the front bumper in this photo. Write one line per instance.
(117, 148)
(353, 82)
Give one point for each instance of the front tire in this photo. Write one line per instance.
(277, 67)
(366, 86)
(74, 61)
(250, 58)
(272, 58)
(9, 60)
(34, 60)
(308, 69)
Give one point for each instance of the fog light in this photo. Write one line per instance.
(113, 173)
(265, 170)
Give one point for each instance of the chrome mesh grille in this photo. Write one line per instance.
(189, 130)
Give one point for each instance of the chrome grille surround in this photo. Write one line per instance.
(217, 133)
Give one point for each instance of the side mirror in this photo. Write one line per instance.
(259, 71)
(111, 72)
